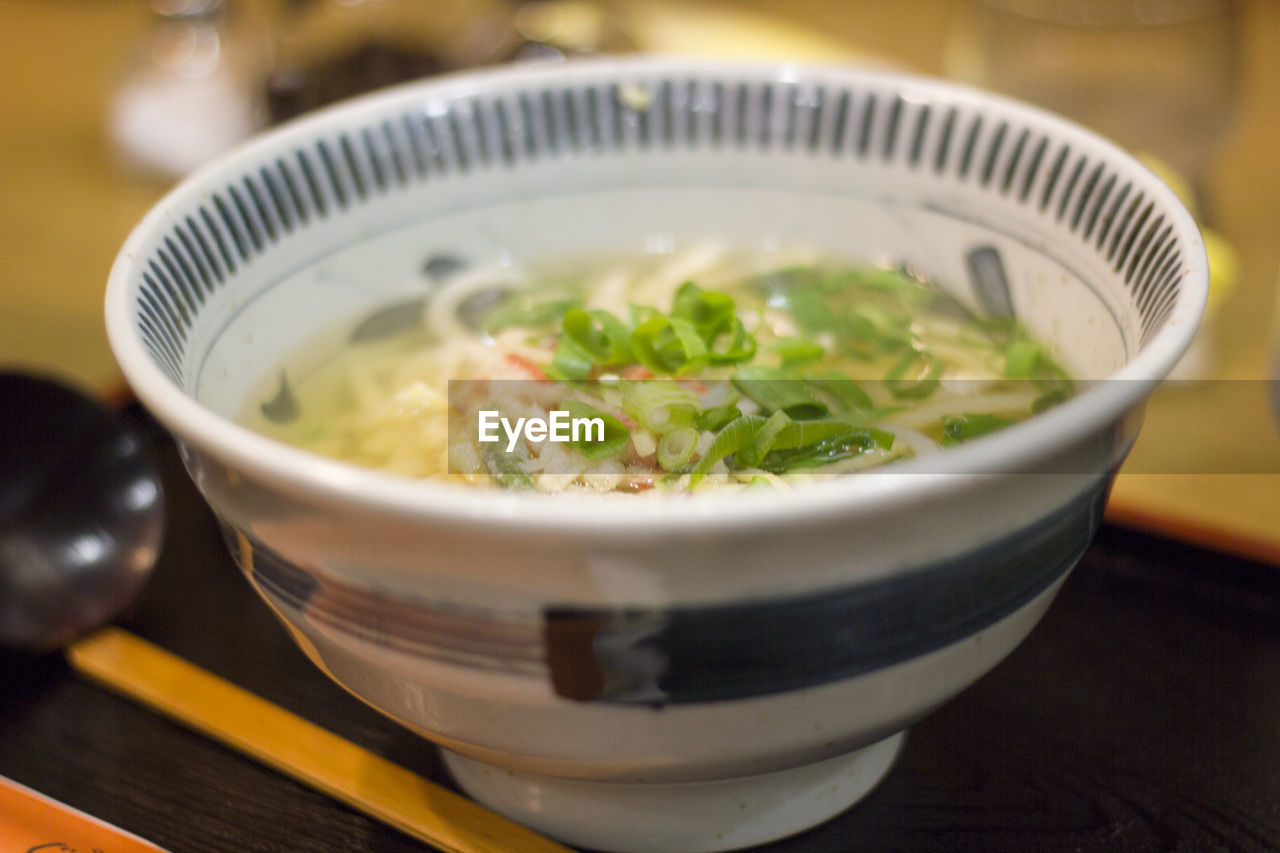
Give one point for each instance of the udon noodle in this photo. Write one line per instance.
(685, 373)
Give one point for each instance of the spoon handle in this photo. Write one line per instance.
(286, 742)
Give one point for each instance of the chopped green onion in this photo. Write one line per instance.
(571, 361)
(776, 390)
(874, 325)
(810, 310)
(713, 316)
(915, 376)
(710, 312)
(601, 334)
(1021, 358)
(762, 440)
(532, 309)
(506, 468)
(641, 313)
(675, 447)
(958, 428)
(733, 346)
(797, 351)
(716, 418)
(729, 440)
(877, 278)
(854, 442)
(659, 405)
(841, 394)
(804, 433)
(615, 436)
(1028, 359)
(1051, 398)
(669, 345)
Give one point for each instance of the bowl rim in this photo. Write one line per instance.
(334, 483)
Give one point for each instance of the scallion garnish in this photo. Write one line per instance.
(915, 376)
(804, 433)
(776, 390)
(793, 352)
(717, 417)
(659, 405)
(601, 334)
(958, 428)
(762, 440)
(676, 447)
(669, 346)
(570, 362)
(729, 440)
(532, 309)
(710, 312)
(853, 442)
(616, 435)
(507, 469)
(841, 394)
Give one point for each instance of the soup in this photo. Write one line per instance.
(662, 375)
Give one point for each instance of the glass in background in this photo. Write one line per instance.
(327, 50)
(1159, 77)
(188, 90)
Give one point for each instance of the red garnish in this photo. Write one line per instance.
(527, 365)
(638, 484)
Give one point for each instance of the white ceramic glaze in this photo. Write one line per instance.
(724, 814)
(560, 639)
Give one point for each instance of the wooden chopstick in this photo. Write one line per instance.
(312, 755)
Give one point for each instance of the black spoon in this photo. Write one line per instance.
(81, 513)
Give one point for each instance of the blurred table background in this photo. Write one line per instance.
(1207, 467)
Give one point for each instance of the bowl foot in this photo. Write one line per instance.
(690, 817)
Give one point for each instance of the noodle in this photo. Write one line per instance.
(689, 372)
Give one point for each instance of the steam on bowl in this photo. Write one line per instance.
(741, 665)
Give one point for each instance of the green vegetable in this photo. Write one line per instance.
(1021, 358)
(533, 309)
(776, 390)
(507, 469)
(675, 448)
(616, 435)
(601, 334)
(793, 352)
(732, 347)
(710, 312)
(1028, 359)
(1052, 397)
(571, 361)
(958, 428)
(762, 440)
(669, 345)
(805, 433)
(877, 327)
(893, 280)
(659, 405)
(915, 376)
(863, 313)
(840, 393)
(713, 316)
(717, 417)
(853, 442)
(811, 310)
(729, 440)
(641, 313)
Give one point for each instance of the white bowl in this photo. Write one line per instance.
(659, 675)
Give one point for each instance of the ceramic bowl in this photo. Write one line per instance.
(698, 674)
